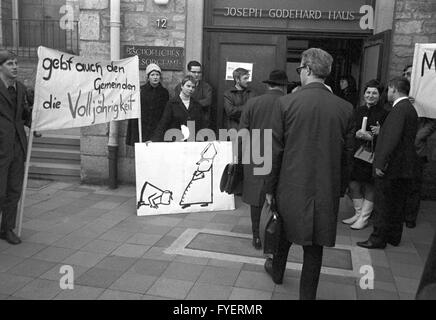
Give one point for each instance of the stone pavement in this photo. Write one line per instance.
(117, 255)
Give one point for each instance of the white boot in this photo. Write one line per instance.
(357, 203)
(362, 222)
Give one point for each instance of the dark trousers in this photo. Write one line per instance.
(414, 198)
(312, 262)
(11, 183)
(389, 206)
(255, 219)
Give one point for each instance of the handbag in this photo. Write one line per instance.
(270, 229)
(365, 153)
(231, 178)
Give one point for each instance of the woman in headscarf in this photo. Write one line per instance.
(154, 98)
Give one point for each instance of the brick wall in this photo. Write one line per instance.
(138, 27)
(415, 22)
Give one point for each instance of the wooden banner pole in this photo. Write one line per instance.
(26, 175)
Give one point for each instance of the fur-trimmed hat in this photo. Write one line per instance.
(152, 67)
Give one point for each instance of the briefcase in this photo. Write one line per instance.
(231, 179)
(270, 229)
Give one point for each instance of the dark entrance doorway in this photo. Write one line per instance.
(346, 55)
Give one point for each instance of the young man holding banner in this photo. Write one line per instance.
(14, 112)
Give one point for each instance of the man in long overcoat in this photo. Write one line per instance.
(256, 118)
(311, 135)
(14, 112)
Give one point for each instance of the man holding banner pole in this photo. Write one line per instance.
(14, 112)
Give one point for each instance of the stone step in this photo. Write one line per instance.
(54, 154)
(54, 171)
(51, 140)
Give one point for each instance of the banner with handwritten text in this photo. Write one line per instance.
(423, 80)
(73, 91)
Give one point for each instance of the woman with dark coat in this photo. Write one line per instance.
(362, 181)
(348, 89)
(154, 97)
(179, 110)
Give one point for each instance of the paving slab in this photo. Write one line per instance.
(334, 291)
(100, 278)
(8, 261)
(219, 275)
(116, 263)
(119, 295)
(134, 282)
(9, 283)
(148, 267)
(54, 254)
(55, 274)
(39, 289)
(203, 291)
(183, 271)
(249, 294)
(25, 249)
(255, 280)
(85, 259)
(80, 293)
(131, 250)
(101, 246)
(171, 288)
(31, 268)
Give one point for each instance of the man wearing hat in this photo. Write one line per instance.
(256, 115)
(14, 111)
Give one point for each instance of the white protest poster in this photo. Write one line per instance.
(423, 80)
(232, 66)
(181, 177)
(72, 91)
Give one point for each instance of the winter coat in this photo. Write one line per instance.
(175, 115)
(153, 101)
(234, 100)
(311, 133)
(256, 115)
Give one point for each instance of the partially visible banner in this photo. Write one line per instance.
(423, 81)
(72, 91)
(180, 177)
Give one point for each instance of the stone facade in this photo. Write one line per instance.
(138, 27)
(6, 24)
(414, 22)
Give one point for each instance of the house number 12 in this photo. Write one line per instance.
(162, 23)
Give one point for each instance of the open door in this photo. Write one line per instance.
(265, 52)
(375, 59)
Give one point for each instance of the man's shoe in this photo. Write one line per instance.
(257, 244)
(410, 224)
(369, 244)
(10, 237)
(269, 270)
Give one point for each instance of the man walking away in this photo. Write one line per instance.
(311, 135)
(256, 116)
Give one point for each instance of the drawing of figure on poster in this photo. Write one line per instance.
(200, 188)
(154, 196)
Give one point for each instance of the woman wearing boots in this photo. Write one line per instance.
(362, 182)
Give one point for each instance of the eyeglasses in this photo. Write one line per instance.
(300, 68)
